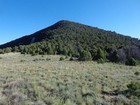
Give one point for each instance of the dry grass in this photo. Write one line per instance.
(44, 80)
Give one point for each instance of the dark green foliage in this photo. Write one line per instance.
(71, 59)
(50, 50)
(7, 50)
(101, 61)
(85, 56)
(62, 58)
(1, 51)
(137, 73)
(131, 62)
(114, 57)
(22, 60)
(33, 53)
(48, 59)
(66, 57)
(134, 89)
(100, 55)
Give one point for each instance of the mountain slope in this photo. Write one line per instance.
(70, 38)
(72, 29)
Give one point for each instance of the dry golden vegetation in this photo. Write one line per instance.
(45, 80)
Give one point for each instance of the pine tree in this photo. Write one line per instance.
(100, 54)
(49, 49)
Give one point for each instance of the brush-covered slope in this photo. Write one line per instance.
(70, 38)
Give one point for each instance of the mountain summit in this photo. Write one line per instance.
(41, 35)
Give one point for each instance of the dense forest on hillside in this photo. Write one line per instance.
(80, 41)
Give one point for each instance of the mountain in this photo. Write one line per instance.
(71, 29)
(70, 38)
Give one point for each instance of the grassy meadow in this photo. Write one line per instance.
(45, 80)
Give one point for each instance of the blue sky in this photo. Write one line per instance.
(24, 17)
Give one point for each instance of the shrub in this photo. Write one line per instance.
(62, 58)
(134, 89)
(100, 61)
(22, 60)
(17, 99)
(66, 57)
(1, 51)
(137, 73)
(85, 56)
(71, 59)
(7, 50)
(114, 57)
(69, 102)
(23, 52)
(33, 54)
(100, 54)
(48, 59)
(131, 62)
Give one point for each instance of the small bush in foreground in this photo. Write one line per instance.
(137, 73)
(22, 60)
(131, 62)
(134, 89)
(71, 59)
(62, 58)
(100, 61)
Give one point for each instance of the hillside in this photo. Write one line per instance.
(70, 38)
(73, 30)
